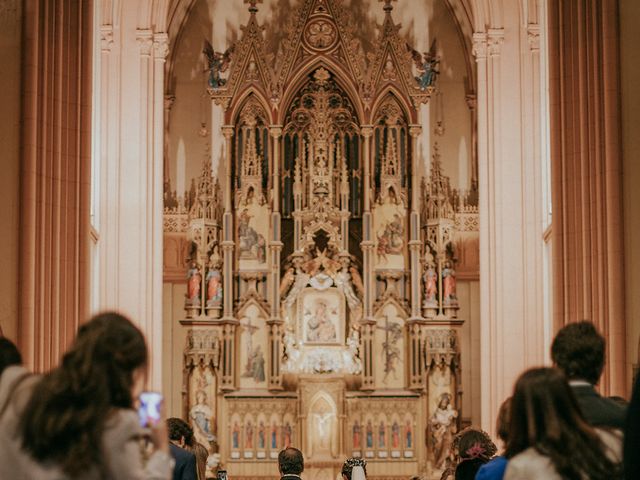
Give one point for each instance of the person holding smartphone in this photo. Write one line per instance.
(78, 421)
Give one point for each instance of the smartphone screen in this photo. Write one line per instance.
(149, 410)
(222, 475)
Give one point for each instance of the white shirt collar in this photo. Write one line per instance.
(579, 383)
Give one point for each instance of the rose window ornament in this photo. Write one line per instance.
(321, 34)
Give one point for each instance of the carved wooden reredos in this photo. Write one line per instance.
(321, 284)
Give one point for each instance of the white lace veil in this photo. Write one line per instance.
(358, 473)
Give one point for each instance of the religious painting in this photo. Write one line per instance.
(356, 436)
(389, 338)
(253, 231)
(321, 314)
(323, 427)
(202, 390)
(273, 433)
(235, 434)
(287, 433)
(253, 347)
(249, 436)
(369, 434)
(389, 230)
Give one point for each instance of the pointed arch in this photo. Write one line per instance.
(342, 78)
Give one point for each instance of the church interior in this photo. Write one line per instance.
(342, 225)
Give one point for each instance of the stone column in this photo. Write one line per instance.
(472, 103)
(367, 225)
(55, 172)
(415, 245)
(275, 247)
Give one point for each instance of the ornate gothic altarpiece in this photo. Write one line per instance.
(321, 307)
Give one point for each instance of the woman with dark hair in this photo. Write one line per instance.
(494, 470)
(549, 438)
(475, 448)
(78, 421)
(353, 468)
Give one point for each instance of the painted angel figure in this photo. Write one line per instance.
(217, 63)
(426, 64)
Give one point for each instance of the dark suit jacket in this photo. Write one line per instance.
(597, 410)
(185, 468)
(290, 477)
(632, 435)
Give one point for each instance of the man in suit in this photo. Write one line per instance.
(290, 464)
(185, 468)
(578, 350)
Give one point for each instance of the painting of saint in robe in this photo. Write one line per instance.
(261, 436)
(382, 441)
(390, 241)
(369, 434)
(286, 435)
(356, 436)
(201, 415)
(408, 435)
(274, 436)
(235, 436)
(248, 436)
(252, 244)
(395, 435)
(254, 367)
(320, 328)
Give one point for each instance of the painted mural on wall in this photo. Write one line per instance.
(389, 229)
(253, 230)
(253, 348)
(389, 341)
(322, 314)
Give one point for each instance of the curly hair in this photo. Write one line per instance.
(578, 350)
(178, 429)
(545, 416)
(472, 443)
(64, 420)
(349, 463)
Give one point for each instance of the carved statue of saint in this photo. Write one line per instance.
(214, 287)
(449, 284)
(443, 428)
(287, 280)
(201, 415)
(430, 284)
(194, 279)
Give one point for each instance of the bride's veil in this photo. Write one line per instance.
(358, 473)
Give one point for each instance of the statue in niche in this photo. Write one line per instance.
(430, 278)
(369, 434)
(248, 436)
(356, 435)
(343, 280)
(382, 441)
(395, 435)
(261, 436)
(287, 280)
(443, 428)
(214, 280)
(449, 284)
(217, 63)
(408, 433)
(235, 435)
(251, 243)
(194, 280)
(301, 281)
(201, 415)
(357, 280)
(320, 327)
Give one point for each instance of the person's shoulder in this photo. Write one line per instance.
(492, 470)
(122, 426)
(531, 465)
(602, 412)
(180, 454)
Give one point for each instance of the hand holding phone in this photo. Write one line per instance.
(222, 475)
(149, 410)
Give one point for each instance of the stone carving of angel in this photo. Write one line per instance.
(287, 280)
(217, 63)
(343, 282)
(357, 280)
(301, 281)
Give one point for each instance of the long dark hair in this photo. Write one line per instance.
(546, 416)
(64, 420)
